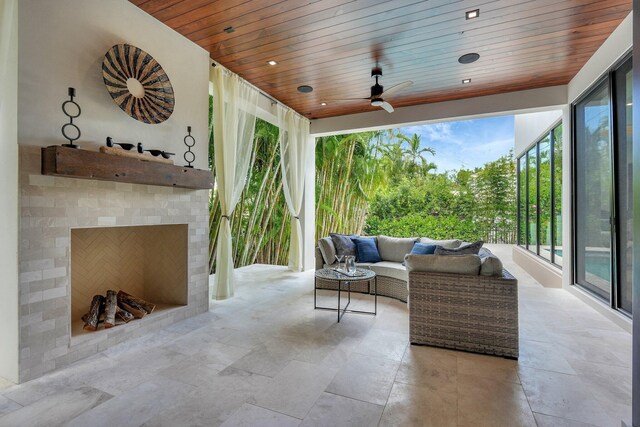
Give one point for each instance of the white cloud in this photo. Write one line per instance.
(466, 144)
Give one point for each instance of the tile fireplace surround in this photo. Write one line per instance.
(53, 206)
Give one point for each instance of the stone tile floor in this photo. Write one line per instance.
(266, 358)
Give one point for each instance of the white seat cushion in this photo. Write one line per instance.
(390, 269)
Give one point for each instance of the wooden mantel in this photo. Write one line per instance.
(77, 163)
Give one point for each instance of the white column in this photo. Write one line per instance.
(308, 212)
(635, 420)
(9, 316)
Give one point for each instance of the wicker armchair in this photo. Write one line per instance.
(464, 312)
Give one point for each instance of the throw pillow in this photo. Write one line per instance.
(327, 250)
(343, 244)
(448, 244)
(423, 249)
(366, 249)
(394, 249)
(470, 249)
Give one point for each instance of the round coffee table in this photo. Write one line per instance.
(344, 278)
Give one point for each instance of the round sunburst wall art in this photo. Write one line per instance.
(138, 84)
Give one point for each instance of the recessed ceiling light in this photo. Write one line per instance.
(323, 103)
(229, 30)
(472, 14)
(305, 89)
(272, 62)
(465, 81)
(468, 58)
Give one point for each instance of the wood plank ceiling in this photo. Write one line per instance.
(332, 45)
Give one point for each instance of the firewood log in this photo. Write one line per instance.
(123, 315)
(86, 316)
(137, 312)
(136, 302)
(97, 305)
(111, 304)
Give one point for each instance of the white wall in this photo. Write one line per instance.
(611, 51)
(528, 128)
(62, 44)
(9, 189)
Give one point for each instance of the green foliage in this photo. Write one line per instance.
(469, 205)
(379, 182)
(383, 183)
(260, 221)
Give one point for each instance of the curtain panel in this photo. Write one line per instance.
(294, 152)
(234, 120)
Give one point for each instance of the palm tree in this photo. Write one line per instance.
(415, 153)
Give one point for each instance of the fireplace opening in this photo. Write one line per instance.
(148, 262)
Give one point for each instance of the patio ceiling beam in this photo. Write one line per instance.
(525, 101)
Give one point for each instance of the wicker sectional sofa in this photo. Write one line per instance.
(391, 274)
(462, 302)
(471, 312)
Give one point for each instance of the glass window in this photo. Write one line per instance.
(522, 201)
(539, 187)
(532, 200)
(557, 195)
(624, 206)
(603, 213)
(593, 192)
(544, 188)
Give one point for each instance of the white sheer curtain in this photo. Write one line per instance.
(294, 138)
(234, 120)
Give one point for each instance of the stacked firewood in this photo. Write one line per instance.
(115, 309)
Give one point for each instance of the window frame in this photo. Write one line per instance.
(609, 78)
(525, 154)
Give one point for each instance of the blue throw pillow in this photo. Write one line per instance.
(366, 249)
(423, 249)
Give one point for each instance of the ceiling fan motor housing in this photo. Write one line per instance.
(376, 89)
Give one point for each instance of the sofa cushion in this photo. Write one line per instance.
(470, 249)
(395, 248)
(343, 244)
(327, 249)
(366, 249)
(390, 269)
(490, 264)
(449, 244)
(459, 264)
(423, 249)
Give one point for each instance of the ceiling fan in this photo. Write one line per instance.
(378, 93)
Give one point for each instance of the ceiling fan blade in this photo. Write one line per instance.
(388, 107)
(397, 88)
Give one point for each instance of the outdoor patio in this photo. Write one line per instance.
(265, 357)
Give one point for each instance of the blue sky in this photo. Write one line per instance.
(466, 144)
